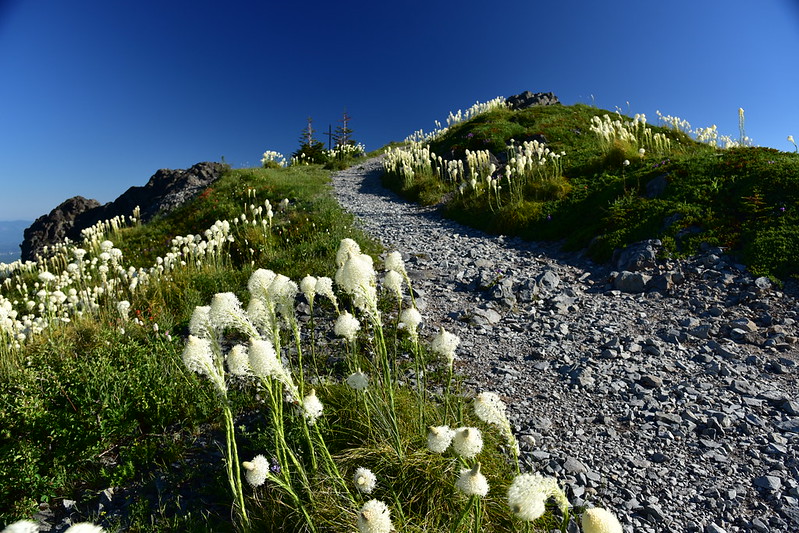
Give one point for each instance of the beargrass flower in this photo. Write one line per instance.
(265, 363)
(409, 320)
(308, 288)
(238, 361)
(365, 480)
(346, 326)
(259, 282)
(198, 356)
(358, 380)
(311, 407)
(226, 312)
(393, 282)
(256, 470)
(324, 286)
(490, 409)
(471, 482)
(283, 291)
(395, 263)
(599, 520)
(445, 344)
(22, 526)
(123, 308)
(528, 494)
(467, 442)
(374, 517)
(345, 248)
(357, 278)
(439, 438)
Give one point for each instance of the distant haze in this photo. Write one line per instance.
(11, 234)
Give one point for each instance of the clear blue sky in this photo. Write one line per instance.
(96, 95)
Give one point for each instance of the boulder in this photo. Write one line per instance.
(528, 99)
(637, 256)
(54, 227)
(633, 282)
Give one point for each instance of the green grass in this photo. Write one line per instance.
(102, 402)
(743, 199)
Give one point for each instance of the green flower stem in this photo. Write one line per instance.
(388, 386)
(290, 491)
(332, 468)
(473, 502)
(298, 342)
(478, 514)
(233, 467)
(313, 343)
(564, 524)
(311, 447)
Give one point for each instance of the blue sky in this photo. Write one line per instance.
(97, 95)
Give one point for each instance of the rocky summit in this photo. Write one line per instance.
(663, 390)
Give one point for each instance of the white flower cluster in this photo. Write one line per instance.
(599, 520)
(93, 278)
(356, 276)
(492, 410)
(528, 494)
(472, 482)
(445, 344)
(365, 481)
(466, 441)
(533, 160)
(708, 135)
(346, 151)
(455, 118)
(634, 133)
(270, 156)
(256, 471)
(375, 517)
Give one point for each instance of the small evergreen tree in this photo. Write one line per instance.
(311, 150)
(343, 134)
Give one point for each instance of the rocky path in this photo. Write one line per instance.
(667, 392)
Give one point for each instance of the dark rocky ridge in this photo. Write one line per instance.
(166, 190)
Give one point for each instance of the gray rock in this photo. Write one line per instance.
(791, 407)
(549, 280)
(528, 99)
(637, 256)
(770, 483)
(650, 381)
(632, 282)
(791, 426)
(574, 466)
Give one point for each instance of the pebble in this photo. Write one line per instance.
(667, 394)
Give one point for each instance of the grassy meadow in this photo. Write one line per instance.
(251, 361)
(206, 372)
(599, 180)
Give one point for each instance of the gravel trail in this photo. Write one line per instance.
(666, 393)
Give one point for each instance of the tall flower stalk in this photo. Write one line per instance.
(204, 356)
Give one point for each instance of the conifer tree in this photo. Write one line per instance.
(343, 134)
(311, 150)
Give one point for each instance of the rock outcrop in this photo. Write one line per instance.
(55, 226)
(528, 99)
(166, 190)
